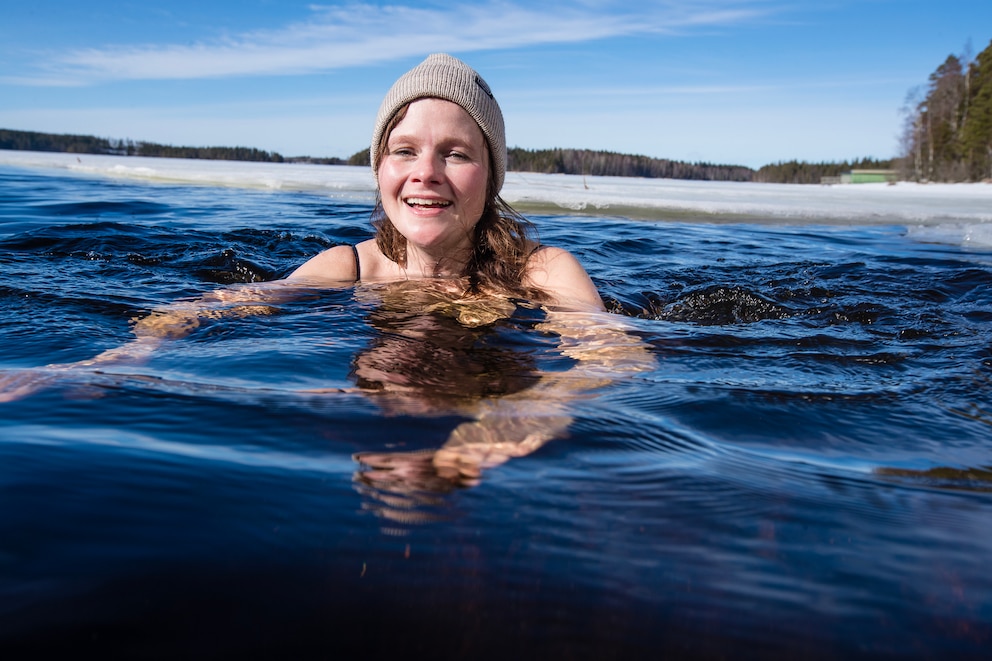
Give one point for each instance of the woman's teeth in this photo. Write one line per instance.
(422, 202)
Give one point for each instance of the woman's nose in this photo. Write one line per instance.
(429, 168)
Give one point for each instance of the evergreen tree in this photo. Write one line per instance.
(976, 135)
(948, 136)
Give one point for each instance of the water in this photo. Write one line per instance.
(799, 465)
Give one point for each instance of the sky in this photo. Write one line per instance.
(743, 82)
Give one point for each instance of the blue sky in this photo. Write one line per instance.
(747, 82)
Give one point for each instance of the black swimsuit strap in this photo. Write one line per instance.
(358, 264)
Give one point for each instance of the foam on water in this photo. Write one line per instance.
(978, 235)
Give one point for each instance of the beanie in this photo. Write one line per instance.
(441, 76)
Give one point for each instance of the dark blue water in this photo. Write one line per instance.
(804, 471)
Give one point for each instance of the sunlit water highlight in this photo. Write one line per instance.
(806, 471)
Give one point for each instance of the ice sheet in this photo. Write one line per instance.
(954, 212)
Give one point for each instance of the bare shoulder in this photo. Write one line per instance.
(562, 276)
(335, 264)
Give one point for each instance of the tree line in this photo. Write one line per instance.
(612, 164)
(948, 129)
(87, 144)
(801, 172)
(548, 161)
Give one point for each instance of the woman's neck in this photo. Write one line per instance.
(424, 264)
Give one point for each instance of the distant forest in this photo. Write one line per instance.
(559, 161)
(551, 161)
(800, 172)
(948, 130)
(611, 164)
(87, 144)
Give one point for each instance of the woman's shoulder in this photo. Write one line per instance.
(541, 254)
(547, 263)
(557, 272)
(337, 264)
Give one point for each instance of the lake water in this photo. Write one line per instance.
(800, 467)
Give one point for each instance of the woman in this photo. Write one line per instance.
(439, 157)
(438, 153)
(445, 244)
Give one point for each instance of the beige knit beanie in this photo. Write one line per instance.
(441, 76)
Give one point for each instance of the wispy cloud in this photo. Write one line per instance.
(351, 35)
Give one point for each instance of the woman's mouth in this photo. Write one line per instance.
(427, 203)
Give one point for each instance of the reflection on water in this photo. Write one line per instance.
(437, 352)
(434, 353)
(945, 477)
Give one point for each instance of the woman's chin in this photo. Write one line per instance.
(435, 236)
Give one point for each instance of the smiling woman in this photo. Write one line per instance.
(439, 156)
(432, 181)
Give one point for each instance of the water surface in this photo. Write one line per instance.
(804, 470)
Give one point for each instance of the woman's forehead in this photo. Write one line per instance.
(437, 117)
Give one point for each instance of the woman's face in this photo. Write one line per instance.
(433, 176)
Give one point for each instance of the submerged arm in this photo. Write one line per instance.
(170, 322)
(177, 320)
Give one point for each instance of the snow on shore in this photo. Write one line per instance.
(967, 207)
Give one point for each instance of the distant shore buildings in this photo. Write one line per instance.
(864, 177)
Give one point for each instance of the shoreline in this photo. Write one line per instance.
(902, 203)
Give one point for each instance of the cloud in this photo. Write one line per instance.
(352, 35)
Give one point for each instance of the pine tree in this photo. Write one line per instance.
(948, 134)
(976, 135)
